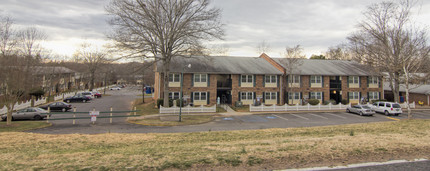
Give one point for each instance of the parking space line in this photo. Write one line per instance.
(355, 115)
(393, 118)
(336, 115)
(281, 117)
(300, 116)
(319, 116)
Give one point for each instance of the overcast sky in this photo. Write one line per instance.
(314, 24)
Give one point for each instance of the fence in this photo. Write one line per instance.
(297, 107)
(23, 105)
(188, 109)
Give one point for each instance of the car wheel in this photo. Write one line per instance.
(397, 114)
(68, 101)
(83, 101)
(386, 113)
(37, 117)
(347, 110)
(361, 113)
(63, 110)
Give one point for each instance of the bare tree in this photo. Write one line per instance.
(383, 39)
(92, 57)
(166, 29)
(263, 47)
(294, 60)
(8, 39)
(339, 52)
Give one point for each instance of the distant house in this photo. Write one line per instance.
(55, 78)
(417, 93)
(263, 79)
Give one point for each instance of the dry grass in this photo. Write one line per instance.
(244, 108)
(17, 126)
(147, 108)
(230, 150)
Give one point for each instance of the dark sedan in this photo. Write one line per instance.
(77, 98)
(58, 106)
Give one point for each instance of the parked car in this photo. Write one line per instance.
(58, 106)
(115, 88)
(361, 110)
(77, 98)
(28, 113)
(97, 94)
(88, 94)
(387, 108)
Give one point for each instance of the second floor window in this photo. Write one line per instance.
(373, 80)
(270, 79)
(247, 79)
(200, 78)
(174, 77)
(353, 80)
(294, 79)
(315, 79)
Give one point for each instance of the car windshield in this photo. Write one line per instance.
(396, 106)
(40, 110)
(365, 107)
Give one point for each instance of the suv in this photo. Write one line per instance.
(388, 108)
(88, 94)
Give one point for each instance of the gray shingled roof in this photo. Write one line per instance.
(222, 65)
(419, 89)
(329, 67)
(51, 69)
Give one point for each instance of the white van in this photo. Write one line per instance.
(388, 108)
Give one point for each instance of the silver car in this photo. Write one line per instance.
(361, 110)
(28, 113)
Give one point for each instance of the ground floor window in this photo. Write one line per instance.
(316, 95)
(354, 95)
(247, 95)
(374, 95)
(174, 95)
(200, 96)
(294, 96)
(270, 96)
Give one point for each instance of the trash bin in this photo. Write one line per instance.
(239, 104)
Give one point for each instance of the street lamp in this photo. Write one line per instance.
(181, 96)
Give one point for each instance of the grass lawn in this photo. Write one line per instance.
(173, 120)
(147, 108)
(227, 150)
(18, 126)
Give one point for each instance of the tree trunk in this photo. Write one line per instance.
(396, 89)
(9, 113)
(92, 81)
(166, 65)
(407, 92)
(143, 87)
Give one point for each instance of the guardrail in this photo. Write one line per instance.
(74, 113)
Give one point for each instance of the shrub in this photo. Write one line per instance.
(344, 101)
(37, 92)
(332, 101)
(161, 101)
(313, 101)
(178, 101)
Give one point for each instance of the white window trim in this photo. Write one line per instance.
(292, 79)
(354, 79)
(172, 94)
(200, 78)
(315, 94)
(247, 76)
(352, 94)
(173, 78)
(273, 79)
(373, 94)
(200, 96)
(247, 94)
(318, 79)
(270, 95)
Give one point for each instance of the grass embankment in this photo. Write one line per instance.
(149, 108)
(244, 108)
(230, 150)
(18, 126)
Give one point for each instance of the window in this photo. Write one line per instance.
(373, 80)
(294, 95)
(294, 79)
(316, 79)
(247, 78)
(174, 95)
(316, 95)
(270, 96)
(354, 95)
(373, 95)
(247, 95)
(270, 79)
(174, 77)
(199, 96)
(353, 80)
(200, 78)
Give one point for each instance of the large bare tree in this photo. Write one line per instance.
(165, 28)
(8, 39)
(338, 52)
(93, 58)
(385, 38)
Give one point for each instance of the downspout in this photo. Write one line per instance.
(281, 94)
(159, 86)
